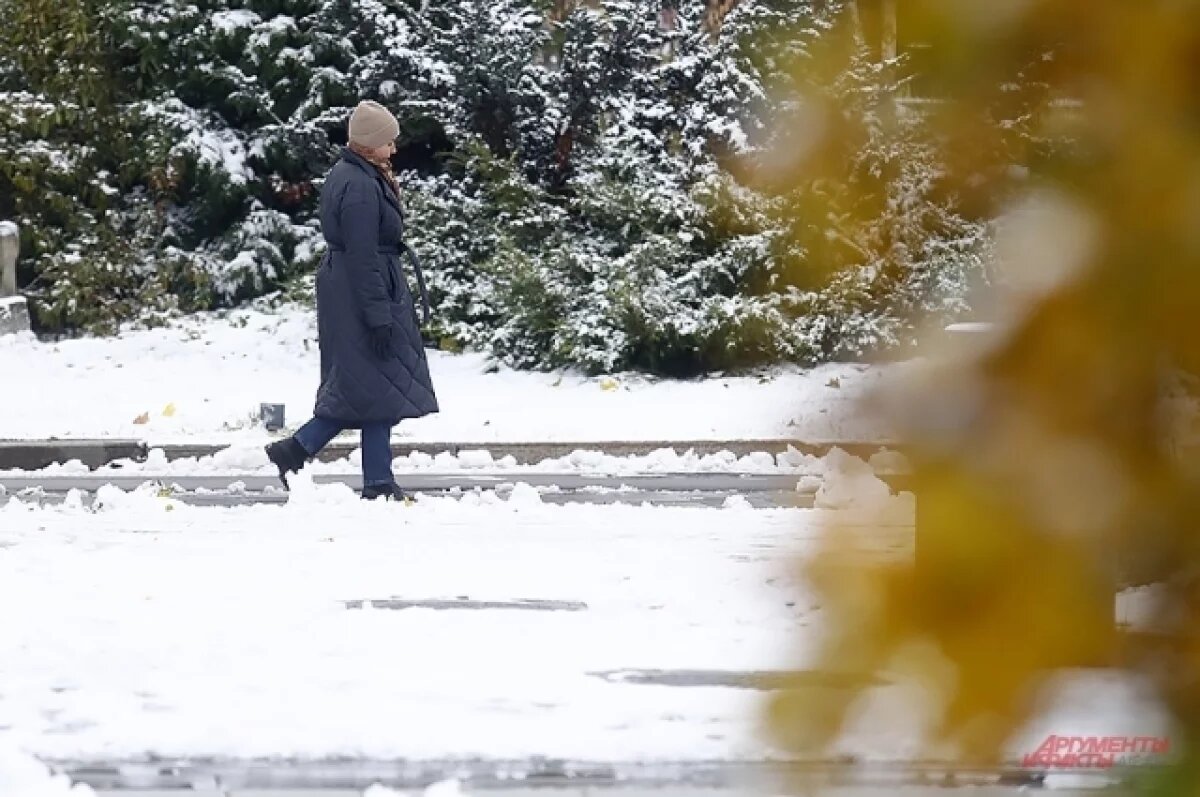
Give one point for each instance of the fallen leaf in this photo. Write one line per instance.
(143, 418)
(169, 410)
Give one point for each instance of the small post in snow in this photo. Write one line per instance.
(10, 244)
(14, 313)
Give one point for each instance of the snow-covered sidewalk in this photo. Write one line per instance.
(184, 631)
(240, 460)
(144, 626)
(203, 379)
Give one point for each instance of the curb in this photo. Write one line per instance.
(534, 773)
(38, 454)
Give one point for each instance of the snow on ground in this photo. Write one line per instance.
(159, 627)
(148, 626)
(204, 378)
(184, 631)
(22, 775)
(250, 460)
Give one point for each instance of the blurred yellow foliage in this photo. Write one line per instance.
(1053, 464)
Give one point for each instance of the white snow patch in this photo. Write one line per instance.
(1142, 608)
(738, 502)
(443, 788)
(220, 149)
(229, 22)
(471, 460)
(524, 495)
(451, 787)
(379, 790)
(889, 462)
(809, 484)
(851, 483)
(97, 387)
(304, 492)
(148, 498)
(135, 592)
(249, 459)
(23, 775)
(1094, 703)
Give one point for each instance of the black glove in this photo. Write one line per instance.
(381, 342)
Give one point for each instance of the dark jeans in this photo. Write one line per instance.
(376, 446)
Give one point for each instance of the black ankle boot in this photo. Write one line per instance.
(388, 492)
(289, 456)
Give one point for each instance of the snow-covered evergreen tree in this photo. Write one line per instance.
(579, 176)
(72, 164)
(873, 241)
(257, 96)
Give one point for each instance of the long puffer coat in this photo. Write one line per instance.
(360, 285)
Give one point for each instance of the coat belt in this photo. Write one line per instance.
(416, 264)
(383, 250)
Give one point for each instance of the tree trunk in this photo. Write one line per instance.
(889, 46)
(856, 23)
(714, 17)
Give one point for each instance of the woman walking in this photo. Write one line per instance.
(373, 367)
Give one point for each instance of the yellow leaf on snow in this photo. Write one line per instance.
(169, 410)
(608, 383)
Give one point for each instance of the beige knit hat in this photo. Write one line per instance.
(372, 125)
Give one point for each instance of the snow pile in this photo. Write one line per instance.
(851, 483)
(250, 460)
(809, 484)
(23, 775)
(72, 467)
(1147, 608)
(737, 502)
(443, 788)
(889, 462)
(148, 497)
(304, 492)
(480, 460)
(524, 495)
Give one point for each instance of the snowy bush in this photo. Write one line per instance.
(582, 180)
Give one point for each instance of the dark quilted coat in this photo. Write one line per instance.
(360, 284)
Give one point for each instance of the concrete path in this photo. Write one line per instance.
(667, 489)
(525, 778)
(37, 454)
